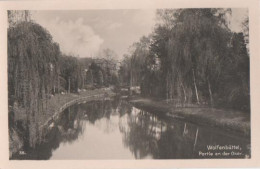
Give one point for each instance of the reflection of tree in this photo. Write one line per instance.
(147, 135)
(66, 129)
(71, 125)
(96, 110)
(115, 102)
(141, 135)
(173, 144)
(124, 108)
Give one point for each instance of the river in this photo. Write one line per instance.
(114, 129)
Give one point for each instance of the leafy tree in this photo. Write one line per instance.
(32, 71)
(245, 26)
(192, 57)
(73, 72)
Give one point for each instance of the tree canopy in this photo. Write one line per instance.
(198, 59)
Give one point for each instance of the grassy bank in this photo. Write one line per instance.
(60, 102)
(230, 120)
(54, 103)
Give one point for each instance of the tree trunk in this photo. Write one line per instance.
(184, 93)
(171, 89)
(210, 92)
(58, 85)
(131, 78)
(69, 86)
(92, 80)
(196, 90)
(131, 81)
(167, 88)
(58, 88)
(15, 83)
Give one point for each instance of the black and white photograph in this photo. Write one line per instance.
(104, 84)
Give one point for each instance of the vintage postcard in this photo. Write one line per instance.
(129, 85)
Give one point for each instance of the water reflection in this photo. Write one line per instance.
(113, 129)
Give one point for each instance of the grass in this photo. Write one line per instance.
(57, 101)
(232, 120)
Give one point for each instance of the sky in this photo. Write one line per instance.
(84, 33)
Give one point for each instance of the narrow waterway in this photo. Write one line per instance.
(114, 129)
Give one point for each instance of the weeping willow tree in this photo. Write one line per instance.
(195, 38)
(124, 70)
(33, 60)
(201, 60)
(139, 53)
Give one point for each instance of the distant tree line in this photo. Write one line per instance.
(192, 57)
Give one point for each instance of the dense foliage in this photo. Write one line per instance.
(192, 57)
(37, 70)
(32, 70)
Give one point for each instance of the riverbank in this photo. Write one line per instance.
(231, 120)
(54, 106)
(60, 102)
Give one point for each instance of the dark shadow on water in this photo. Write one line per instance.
(143, 134)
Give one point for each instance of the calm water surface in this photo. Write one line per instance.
(113, 129)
